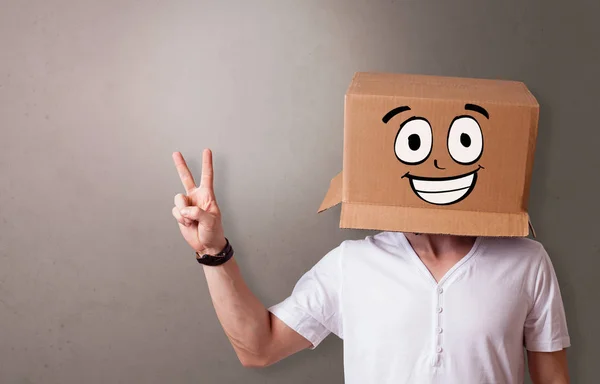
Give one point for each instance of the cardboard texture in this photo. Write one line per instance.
(432, 154)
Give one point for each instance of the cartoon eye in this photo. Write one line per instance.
(465, 140)
(414, 141)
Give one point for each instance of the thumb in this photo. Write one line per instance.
(192, 213)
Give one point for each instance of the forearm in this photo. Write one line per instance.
(244, 318)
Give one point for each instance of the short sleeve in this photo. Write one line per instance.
(546, 324)
(313, 309)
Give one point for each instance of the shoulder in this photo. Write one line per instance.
(373, 250)
(381, 241)
(519, 251)
(515, 244)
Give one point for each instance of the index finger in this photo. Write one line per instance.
(184, 173)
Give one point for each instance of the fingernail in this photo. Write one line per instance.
(185, 211)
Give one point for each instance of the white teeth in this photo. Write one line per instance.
(443, 191)
(443, 197)
(443, 185)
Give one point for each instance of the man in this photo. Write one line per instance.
(410, 308)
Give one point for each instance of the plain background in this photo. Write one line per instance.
(96, 285)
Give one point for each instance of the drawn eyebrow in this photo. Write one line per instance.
(478, 109)
(394, 112)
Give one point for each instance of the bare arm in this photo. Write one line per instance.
(548, 367)
(257, 336)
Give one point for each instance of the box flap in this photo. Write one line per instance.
(334, 194)
(437, 221)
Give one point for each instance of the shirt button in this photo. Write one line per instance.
(439, 330)
(439, 310)
(440, 290)
(439, 349)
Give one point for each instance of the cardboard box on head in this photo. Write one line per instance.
(432, 154)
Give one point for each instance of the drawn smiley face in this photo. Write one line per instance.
(413, 146)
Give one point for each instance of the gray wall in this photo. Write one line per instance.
(96, 285)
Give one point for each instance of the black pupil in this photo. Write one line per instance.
(414, 142)
(465, 140)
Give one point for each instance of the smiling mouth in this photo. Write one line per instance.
(443, 190)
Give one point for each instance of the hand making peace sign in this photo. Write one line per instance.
(197, 211)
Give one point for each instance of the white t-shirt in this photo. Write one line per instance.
(401, 326)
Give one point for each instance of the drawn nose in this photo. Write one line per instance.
(436, 164)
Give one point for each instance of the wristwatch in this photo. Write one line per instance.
(218, 259)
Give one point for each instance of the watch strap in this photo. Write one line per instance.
(218, 259)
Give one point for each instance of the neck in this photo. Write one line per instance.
(440, 246)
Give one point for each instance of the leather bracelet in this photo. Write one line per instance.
(218, 259)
